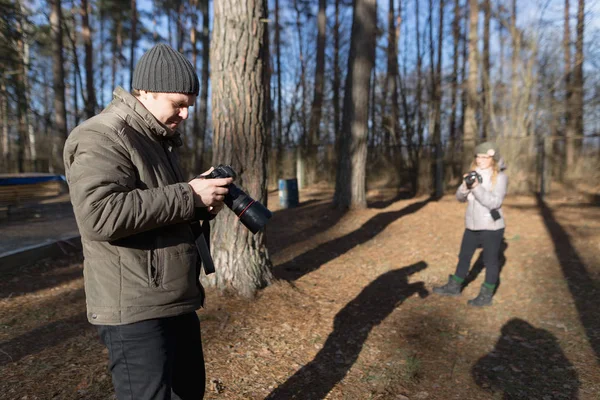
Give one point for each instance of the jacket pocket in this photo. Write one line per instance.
(155, 268)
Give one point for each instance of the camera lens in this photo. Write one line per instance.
(251, 213)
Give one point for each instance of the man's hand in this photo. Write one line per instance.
(210, 192)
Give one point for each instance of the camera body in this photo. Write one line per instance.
(251, 213)
(471, 177)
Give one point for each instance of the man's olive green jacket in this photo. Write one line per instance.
(133, 209)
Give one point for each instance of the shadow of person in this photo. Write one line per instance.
(313, 259)
(527, 363)
(478, 266)
(351, 328)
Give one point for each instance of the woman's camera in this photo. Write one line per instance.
(471, 177)
(250, 212)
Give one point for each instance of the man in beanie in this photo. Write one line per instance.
(134, 211)
(484, 189)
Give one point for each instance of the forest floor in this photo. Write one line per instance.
(352, 314)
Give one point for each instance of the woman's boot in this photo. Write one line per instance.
(452, 288)
(484, 298)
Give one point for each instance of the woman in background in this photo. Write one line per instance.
(484, 223)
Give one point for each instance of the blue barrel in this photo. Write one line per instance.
(288, 193)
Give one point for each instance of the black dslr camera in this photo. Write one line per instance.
(471, 177)
(250, 212)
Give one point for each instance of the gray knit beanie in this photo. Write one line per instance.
(162, 69)
(488, 148)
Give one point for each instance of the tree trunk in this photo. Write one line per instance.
(391, 86)
(60, 110)
(193, 13)
(75, 65)
(486, 97)
(203, 106)
(470, 129)
(279, 131)
(350, 190)
(6, 155)
(133, 39)
(102, 56)
(577, 103)
(336, 84)
(302, 143)
(240, 107)
(90, 104)
(437, 128)
(317, 103)
(454, 81)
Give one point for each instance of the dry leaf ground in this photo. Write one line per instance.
(352, 315)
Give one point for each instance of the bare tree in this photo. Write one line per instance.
(317, 103)
(90, 103)
(577, 101)
(454, 78)
(60, 110)
(391, 129)
(240, 110)
(133, 40)
(336, 85)
(350, 190)
(279, 130)
(470, 128)
(486, 96)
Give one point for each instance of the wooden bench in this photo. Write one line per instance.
(28, 189)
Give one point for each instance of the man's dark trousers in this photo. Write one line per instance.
(158, 359)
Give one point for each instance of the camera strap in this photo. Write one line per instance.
(203, 250)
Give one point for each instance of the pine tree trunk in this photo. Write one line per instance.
(568, 120)
(317, 103)
(454, 84)
(350, 188)
(577, 103)
(486, 93)
(336, 84)
(240, 111)
(60, 110)
(203, 106)
(133, 38)
(90, 105)
(279, 131)
(470, 128)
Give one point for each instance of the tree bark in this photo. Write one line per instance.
(350, 188)
(391, 86)
(90, 104)
(133, 39)
(279, 131)
(60, 110)
(577, 103)
(454, 80)
(486, 95)
(470, 128)
(336, 84)
(317, 103)
(240, 110)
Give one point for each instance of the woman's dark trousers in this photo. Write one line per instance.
(491, 242)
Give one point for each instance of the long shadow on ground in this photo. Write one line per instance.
(321, 214)
(41, 275)
(352, 326)
(584, 289)
(313, 259)
(43, 337)
(527, 363)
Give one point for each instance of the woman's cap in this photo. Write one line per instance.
(489, 149)
(163, 69)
